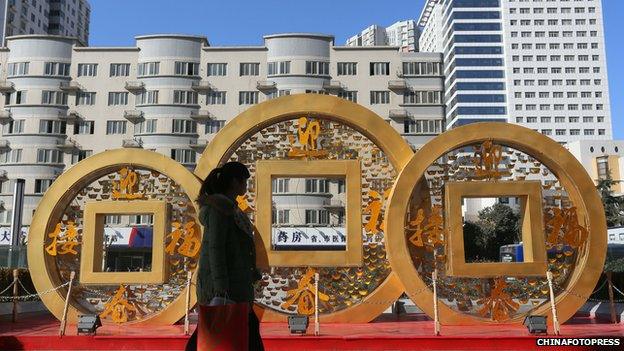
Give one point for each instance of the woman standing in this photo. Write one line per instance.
(227, 264)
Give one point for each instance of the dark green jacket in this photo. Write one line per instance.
(227, 261)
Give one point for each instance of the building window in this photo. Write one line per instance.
(84, 127)
(15, 126)
(380, 68)
(49, 156)
(20, 98)
(421, 68)
(184, 126)
(278, 67)
(422, 126)
(149, 97)
(148, 68)
(49, 97)
(80, 155)
(184, 156)
(56, 69)
(146, 126)
(347, 68)
(248, 97)
(602, 167)
(52, 127)
(283, 216)
(348, 95)
(183, 97)
(119, 69)
(85, 98)
(41, 185)
(317, 68)
(117, 98)
(215, 98)
(115, 127)
(186, 68)
(379, 97)
(249, 69)
(423, 97)
(17, 69)
(87, 69)
(280, 185)
(217, 69)
(11, 156)
(214, 126)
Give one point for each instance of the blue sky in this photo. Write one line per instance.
(243, 22)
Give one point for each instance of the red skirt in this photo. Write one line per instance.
(223, 327)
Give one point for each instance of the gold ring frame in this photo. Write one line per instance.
(350, 114)
(572, 177)
(45, 273)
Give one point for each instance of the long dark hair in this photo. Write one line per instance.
(219, 179)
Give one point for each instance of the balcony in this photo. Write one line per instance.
(5, 115)
(67, 144)
(199, 144)
(266, 85)
(400, 84)
(200, 86)
(334, 85)
(133, 115)
(398, 113)
(201, 115)
(334, 203)
(132, 143)
(6, 87)
(135, 86)
(4, 144)
(71, 115)
(71, 86)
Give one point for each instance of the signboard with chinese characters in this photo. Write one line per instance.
(309, 238)
(6, 237)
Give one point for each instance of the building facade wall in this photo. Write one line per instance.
(106, 98)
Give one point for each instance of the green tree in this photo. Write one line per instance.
(498, 225)
(613, 205)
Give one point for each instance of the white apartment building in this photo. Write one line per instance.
(538, 63)
(172, 93)
(403, 34)
(62, 17)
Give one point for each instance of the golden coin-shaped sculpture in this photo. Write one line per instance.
(573, 229)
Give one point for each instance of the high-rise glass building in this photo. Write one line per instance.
(59, 17)
(538, 63)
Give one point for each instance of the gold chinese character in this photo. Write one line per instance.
(487, 157)
(374, 209)
(499, 305)
(118, 307)
(564, 229)
(303, 295)
(243, 204)
(307, 135)
(67, 240)
(126, 187)
(428, 231)
(191, 243)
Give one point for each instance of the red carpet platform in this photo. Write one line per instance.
(412, 332)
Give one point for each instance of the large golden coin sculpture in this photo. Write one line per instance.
(565, 235)
(398, 228)
(320, 129)
(136, 181)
